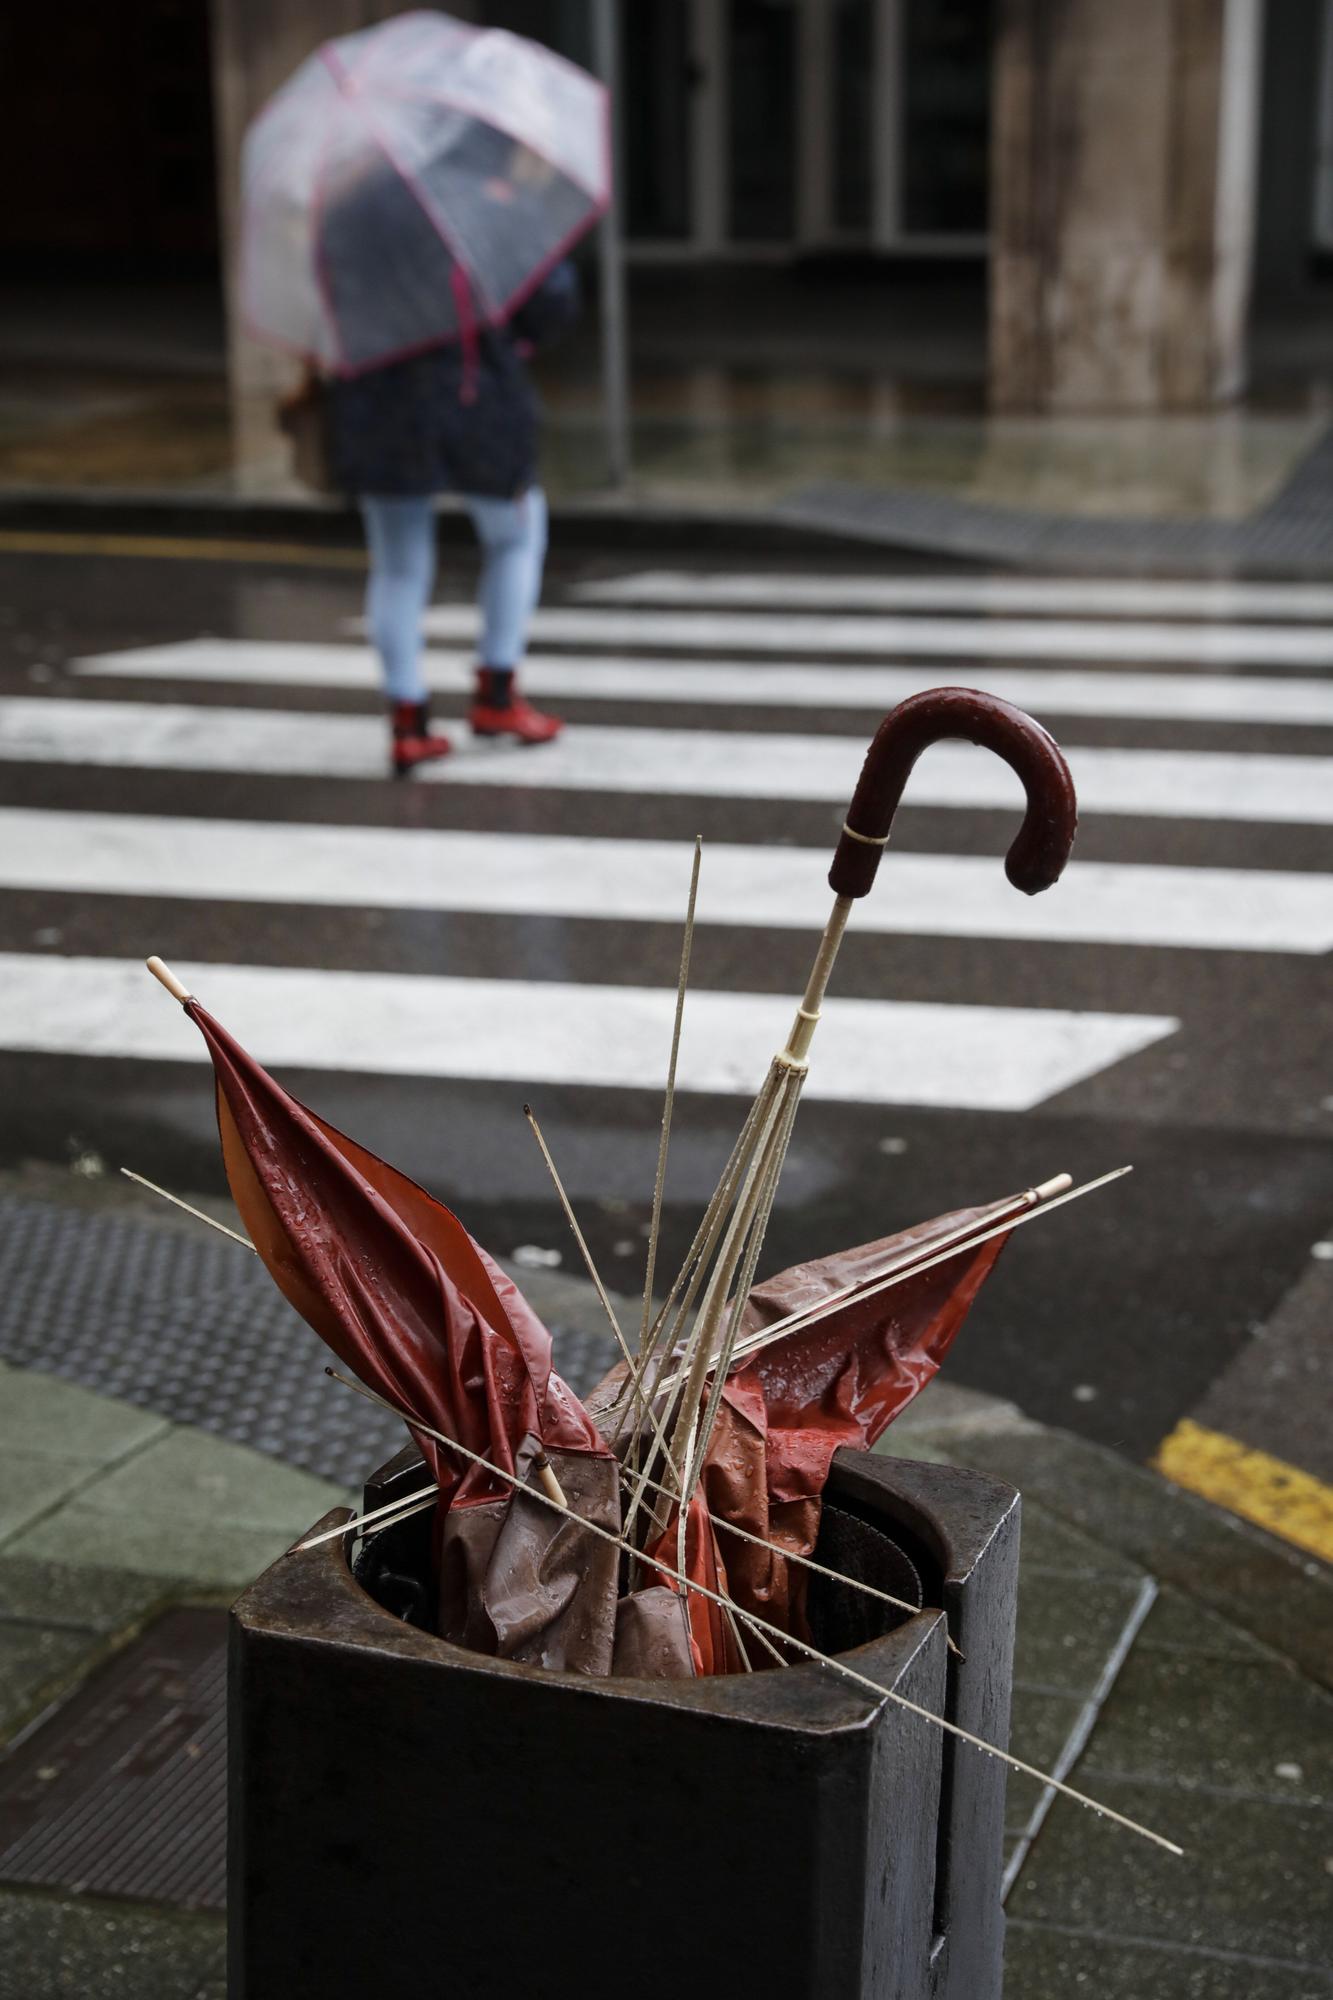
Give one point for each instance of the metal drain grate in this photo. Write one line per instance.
(122, 1792)
(190, 1327)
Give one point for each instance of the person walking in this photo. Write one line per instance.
(462, 418)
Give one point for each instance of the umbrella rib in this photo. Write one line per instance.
(424, 1493)
(599, 1287)
(764, 1336)
(726, 1527)
(807, 1316)
(430, 210)
(794, 1322)
(197, 1213)
(729, 1191)
(775, 1632)
(758, 1230)
(669, 1099)
(696, 1263)
(905, 1260)
(387, 1516)
(693, 1362)
(595, 196)
(686, 1282)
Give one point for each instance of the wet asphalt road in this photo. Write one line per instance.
(1115, 1319)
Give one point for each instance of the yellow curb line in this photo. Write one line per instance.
(177, 548)
(1279, 1497)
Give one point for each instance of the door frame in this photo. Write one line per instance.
(709, 174)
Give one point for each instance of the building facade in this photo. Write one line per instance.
(1134, 175)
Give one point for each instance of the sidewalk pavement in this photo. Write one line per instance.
(819, 506)
(770, 409)
(1172, 1660)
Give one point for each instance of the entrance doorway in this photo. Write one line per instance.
(777, 128)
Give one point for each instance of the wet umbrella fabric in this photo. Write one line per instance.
(406, 1298)
(839, 1381)
(411, 182)
(788, 1407)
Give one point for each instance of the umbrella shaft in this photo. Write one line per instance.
(807, 1014)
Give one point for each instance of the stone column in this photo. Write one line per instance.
(1123, 176)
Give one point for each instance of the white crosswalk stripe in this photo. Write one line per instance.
(646, 881)
(871, 1051)
(1083, 597)
(1158, 653)
(719, 682)
(820, 637)
(1281, 790)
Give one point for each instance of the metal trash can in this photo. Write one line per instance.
(406, 1815)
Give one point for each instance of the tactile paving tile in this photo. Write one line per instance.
(191, 1327)
(122, 1792)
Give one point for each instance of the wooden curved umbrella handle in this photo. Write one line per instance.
(1043, 842)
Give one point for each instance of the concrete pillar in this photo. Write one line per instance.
(1123, 179)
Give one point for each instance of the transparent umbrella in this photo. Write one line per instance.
(411, 182)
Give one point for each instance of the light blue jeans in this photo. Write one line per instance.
(400, 535)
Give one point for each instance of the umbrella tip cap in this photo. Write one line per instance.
(166, 977)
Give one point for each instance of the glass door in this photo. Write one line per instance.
(770, 128)
(762, 112)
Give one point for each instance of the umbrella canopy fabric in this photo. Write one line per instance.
(411, 182)
(391, 1280)
(840, 1380)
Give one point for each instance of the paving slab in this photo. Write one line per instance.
(70, 1423)
(210, 1556)
(1046, 1964)
(77, 1596)
(1274, 1592)
(1039, 1727)
(1253, 1881)
(36, 1663)
(1179, 1624)
(190, 1478)
(1069, 1626)
(181, 1508)
(1273, 1396)
(1051, 1545)
(1238, 1726)
(104, 1286)
(56, 1947)
(32, 1483)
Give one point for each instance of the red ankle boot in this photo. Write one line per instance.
(499, 710)
(413, 742)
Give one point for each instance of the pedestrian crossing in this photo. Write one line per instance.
(1086, 597)
(835, 634)
(736, 651)
(554, 1032)
(552, 875)
(692, 763)
(714, 683)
